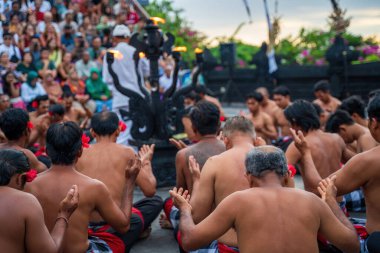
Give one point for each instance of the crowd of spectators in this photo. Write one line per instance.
(56, 47)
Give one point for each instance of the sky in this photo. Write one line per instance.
(221, 17)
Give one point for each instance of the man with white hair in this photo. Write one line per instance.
(124, 67)
(48, 18)
(166, 79)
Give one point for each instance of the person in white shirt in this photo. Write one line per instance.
(125, 69)
(166, 79)
(84, 66)
(48, 17)
(9, 48)
(31, 88)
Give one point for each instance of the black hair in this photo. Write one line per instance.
(13, 123)
(254, 95)
(44, 49)
(63, 143)
(105, 123)
(201, 89)
(40, 98)
(303, 114)
(191, 95)
(57, 109)
(45, 160)
(319, 110)
(373, 108)
(337, 119)
(354, 104)
(322, 85)
(12, 162)
(281, 90)
(66, 92)
(205, 117)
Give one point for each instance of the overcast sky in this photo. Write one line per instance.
(221, 17)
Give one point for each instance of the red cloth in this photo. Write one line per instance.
(114, 242)
(132, 18)
(222, 248)
(168, 207)
(292, 170)
(39, 16)
(138, 212)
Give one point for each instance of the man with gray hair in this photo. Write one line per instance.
(222, 175)
(268, 210)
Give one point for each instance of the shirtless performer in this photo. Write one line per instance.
(106, 161)
(202, 92)
(281, 96)
(204, 117)
(73, 113)
(324, 98)
(40, 119)
(356, 107)
(263, 212)
(363, 170)
(210, 186)
(42, 104)
(22, 221)
(267, 105)
(341, 123)
(327, 150)
(64, 147)
(14, 123)
(262, 121)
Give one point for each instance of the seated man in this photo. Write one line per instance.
(22, 225)
(363, 170)
(327, 150)
(324, 98)
(106, 161)
(209, 185)
(262, 122)
(356, 107)
(267, 211)
(205, 122)
(15, 125)
(281, 96)
(73, 113)
(64, 147)
(341, 123)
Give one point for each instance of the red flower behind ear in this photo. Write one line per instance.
(35, 104)
(31, 175)
(85, 141)
(122, 126)
(29, 125)
(222, 118)
(292, 170)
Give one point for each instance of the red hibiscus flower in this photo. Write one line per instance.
(85, 141)
(122, 126)
(292, 170)
(35, 104)
(29, 125)
(31, 175)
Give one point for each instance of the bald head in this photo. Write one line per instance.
(266, 159)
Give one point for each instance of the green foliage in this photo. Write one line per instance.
(176, 25)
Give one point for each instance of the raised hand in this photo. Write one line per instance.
(194, 168)
(327, 189)
(259, 142)
(181, 199)
(299, 141)
(146, 153)
(133, 168)
(69, 203)
(178, 143)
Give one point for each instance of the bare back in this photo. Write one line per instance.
(13, 214)
(49, 193)
(266, 220)
(326, 150)
(201, 152)
(107, 163)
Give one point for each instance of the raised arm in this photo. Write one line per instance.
(310, 175)
(203, 188)
(146, 179)
(334, 224)
(211, 228)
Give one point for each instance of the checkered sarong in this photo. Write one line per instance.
(97, 245)
(355, 201)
